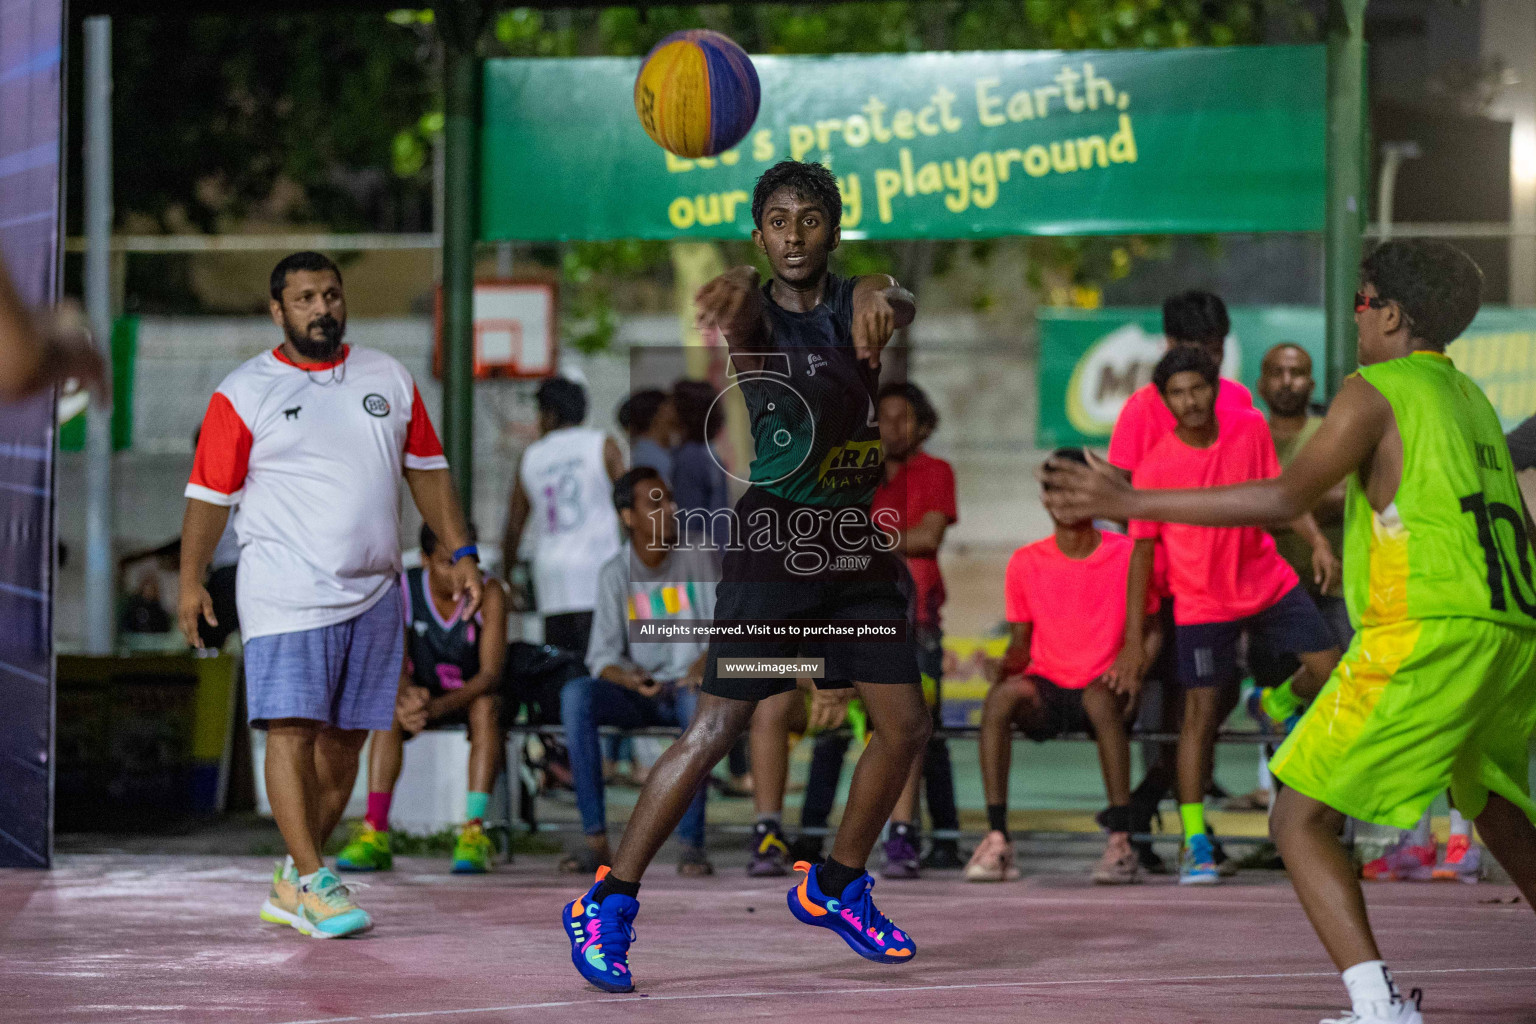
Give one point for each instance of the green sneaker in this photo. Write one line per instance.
(472, 853)
(368, 851)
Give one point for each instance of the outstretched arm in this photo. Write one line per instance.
(44, 348)
(1356, 423)
(733, 304)
(881, 307)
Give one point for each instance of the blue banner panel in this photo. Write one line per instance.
(31, 124)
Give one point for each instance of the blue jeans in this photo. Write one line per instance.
(585, 704)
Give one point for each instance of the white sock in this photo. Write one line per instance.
(1368, 984)
(309, 879)
(1422, 836)
(288, 864)
(1460, 826)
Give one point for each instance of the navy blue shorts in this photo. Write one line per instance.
(1208, 650)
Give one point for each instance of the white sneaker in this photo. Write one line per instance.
(1396, 1011)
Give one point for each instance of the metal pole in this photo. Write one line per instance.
(1392, 156)
(461, 158)
(1509, 37)
(1345, 218)
(100, 588)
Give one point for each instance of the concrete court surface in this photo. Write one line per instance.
(131, 939)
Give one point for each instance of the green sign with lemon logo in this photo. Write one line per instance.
(1091, 361)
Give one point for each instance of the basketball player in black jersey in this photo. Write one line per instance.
(806, 350)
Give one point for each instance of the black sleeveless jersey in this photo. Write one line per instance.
(441, 655)
(812, 406)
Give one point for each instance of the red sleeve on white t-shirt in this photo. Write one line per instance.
(223, 455)
(422, 448)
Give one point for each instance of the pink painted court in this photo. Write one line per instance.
(152, 939)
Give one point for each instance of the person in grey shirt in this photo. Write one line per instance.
(639, 684)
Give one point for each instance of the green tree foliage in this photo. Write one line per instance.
(331, 117)
(217, 118)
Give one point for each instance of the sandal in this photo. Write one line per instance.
(583, 862)
(694, 863)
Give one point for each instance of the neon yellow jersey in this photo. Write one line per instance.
(1454, 541)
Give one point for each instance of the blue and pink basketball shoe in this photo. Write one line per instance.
(852, 915)
(600, 937)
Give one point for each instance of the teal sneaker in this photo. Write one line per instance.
(326, 909)
(1198, 864)
(472, 852)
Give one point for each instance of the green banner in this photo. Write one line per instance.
(934, 145)
(1090, 362)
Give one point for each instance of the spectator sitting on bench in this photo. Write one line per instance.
(452, 676)
(639, 684)
(1061, 673)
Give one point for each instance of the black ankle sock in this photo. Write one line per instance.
(1118, 819)
(997, 818)
(906, 828)
(833, 877)
(611, 886)
(767, 823)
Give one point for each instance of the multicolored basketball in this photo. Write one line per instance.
(697, 93)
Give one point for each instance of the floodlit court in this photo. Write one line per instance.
(149, 939)
(816, 511)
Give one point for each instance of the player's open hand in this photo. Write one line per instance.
(731, 303)
(468, 585)
(1326, 568)
(1074, 492)
(195, 604)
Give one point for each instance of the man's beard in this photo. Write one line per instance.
(1289, 405)
(326, 348)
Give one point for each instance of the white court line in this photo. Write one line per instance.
(886, 989)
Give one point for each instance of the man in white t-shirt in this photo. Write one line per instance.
(310, 441)
(561, 513)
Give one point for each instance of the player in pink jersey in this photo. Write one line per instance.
(1225, 581)
(1189, 318)
(1199, 319)
(1065, 598)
